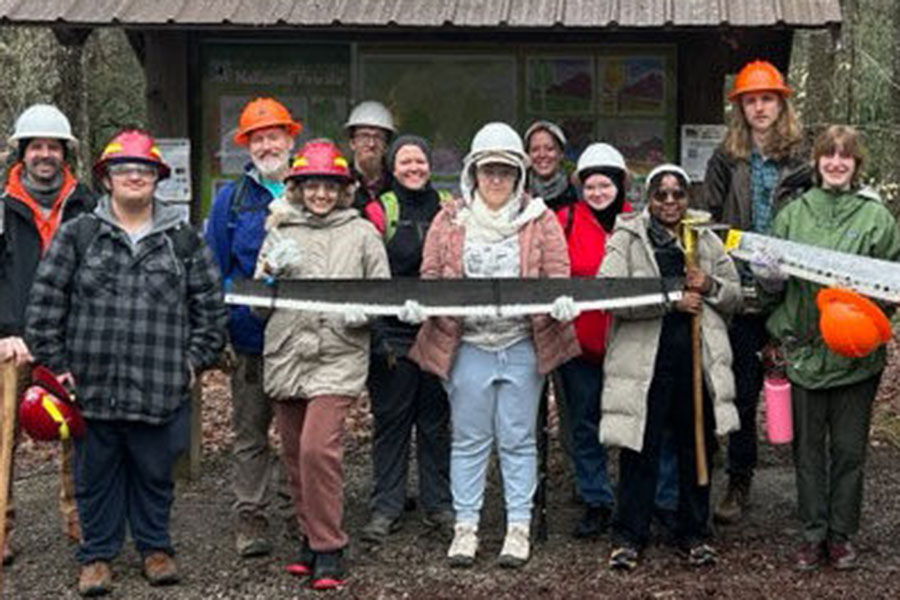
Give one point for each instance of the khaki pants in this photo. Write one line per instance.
(312, 440)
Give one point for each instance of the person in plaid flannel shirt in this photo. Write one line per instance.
(127, 306)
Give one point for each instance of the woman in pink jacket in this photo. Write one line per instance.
(493, 368)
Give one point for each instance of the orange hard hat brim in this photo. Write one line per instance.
(783, 90)
(242, 137)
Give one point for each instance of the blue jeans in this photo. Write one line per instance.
(667, 480)
(494, 395)
(123, 474)
(582, 383)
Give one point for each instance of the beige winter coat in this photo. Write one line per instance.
(634, 336)
(308, 354)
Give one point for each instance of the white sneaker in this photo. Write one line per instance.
(516, 545)
(464, 545)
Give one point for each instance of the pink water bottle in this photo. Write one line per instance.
(779, 421)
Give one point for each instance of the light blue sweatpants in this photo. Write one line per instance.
(494, 395)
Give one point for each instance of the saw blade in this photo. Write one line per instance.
(453, 297)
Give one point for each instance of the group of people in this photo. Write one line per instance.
(126, 304)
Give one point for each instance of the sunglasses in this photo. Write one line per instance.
(678, 195)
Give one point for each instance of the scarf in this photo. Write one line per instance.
(485, 225)
(548, 189)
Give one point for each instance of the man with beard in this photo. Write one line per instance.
(40, 193)
(127, 305)
(370, 128)
(235, 232)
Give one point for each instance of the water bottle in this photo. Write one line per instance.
(779, 420)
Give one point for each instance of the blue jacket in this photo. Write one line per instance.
(235, 237)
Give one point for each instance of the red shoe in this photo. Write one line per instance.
(328, 572)
(809, 556)
(842, 555)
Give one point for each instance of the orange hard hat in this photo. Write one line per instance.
(851, 324)
(320, 158)
(131, 145)
(758, 76)
(261, 113)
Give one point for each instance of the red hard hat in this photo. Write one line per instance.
(320, 158)
(262, 113)
(851, 325)
(46, 417)
(131, 145)
(758, 76)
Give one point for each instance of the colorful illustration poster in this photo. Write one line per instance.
(641, 141)
(560, 85)
(632, 85)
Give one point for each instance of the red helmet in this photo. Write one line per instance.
(131, 145)
(320, 158)
(46, 417)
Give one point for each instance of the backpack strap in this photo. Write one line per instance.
(391, 214)
(185, 241)
(238, 194)
(86, 227)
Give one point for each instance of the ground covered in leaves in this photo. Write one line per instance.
(754, 556)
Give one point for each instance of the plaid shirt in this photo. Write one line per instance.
(763, 179)
(128, 323)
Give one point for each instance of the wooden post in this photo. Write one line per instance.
(8, 375)
(689, 236)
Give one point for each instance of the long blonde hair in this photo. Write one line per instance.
(786, 139)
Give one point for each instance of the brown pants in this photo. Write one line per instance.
(312, 440)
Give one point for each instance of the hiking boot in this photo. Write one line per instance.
(809, 556)
(328, 571)
(623, 558)
(441, 521)
(464, 545)
(594, 522)
(379, 528)
(95, 579)
(160, 569)
(737, 498)
(700, 555)
(842, 555)
(516, 545)
(9, 555)
(250, 537)
(306, 558)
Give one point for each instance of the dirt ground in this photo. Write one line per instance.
(754, 556)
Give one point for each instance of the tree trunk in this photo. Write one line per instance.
(819, 82)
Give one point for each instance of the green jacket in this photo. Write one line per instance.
(852, 222)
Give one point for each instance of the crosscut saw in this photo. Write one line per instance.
(453, 297)
(872, 277)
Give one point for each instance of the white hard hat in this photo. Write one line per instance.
(497, 137)
(548, 126)
(597, 156)
(42, 121)
(668, 168)
(371, 114)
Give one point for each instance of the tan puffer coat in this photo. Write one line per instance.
(634, 336)
(308, 354)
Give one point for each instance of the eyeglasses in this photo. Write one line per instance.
(375, 139)
(497, 171)
(677, 195)
(130, 169)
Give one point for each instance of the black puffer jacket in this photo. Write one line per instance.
(20, 253)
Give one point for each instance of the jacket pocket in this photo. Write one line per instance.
(96, 277)
(162, 280)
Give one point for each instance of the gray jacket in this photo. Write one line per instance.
(634, 336)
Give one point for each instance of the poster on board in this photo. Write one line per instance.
(697, 145)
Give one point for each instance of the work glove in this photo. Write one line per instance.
(354, 317)
(564, 309)
(412, 312)
(283, 253)
(765, 266)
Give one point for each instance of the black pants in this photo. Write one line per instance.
(748, 336)
(402, 396)
(669, 403)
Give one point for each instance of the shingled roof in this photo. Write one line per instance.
(468, 14)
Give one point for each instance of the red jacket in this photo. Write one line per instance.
(587, 244)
